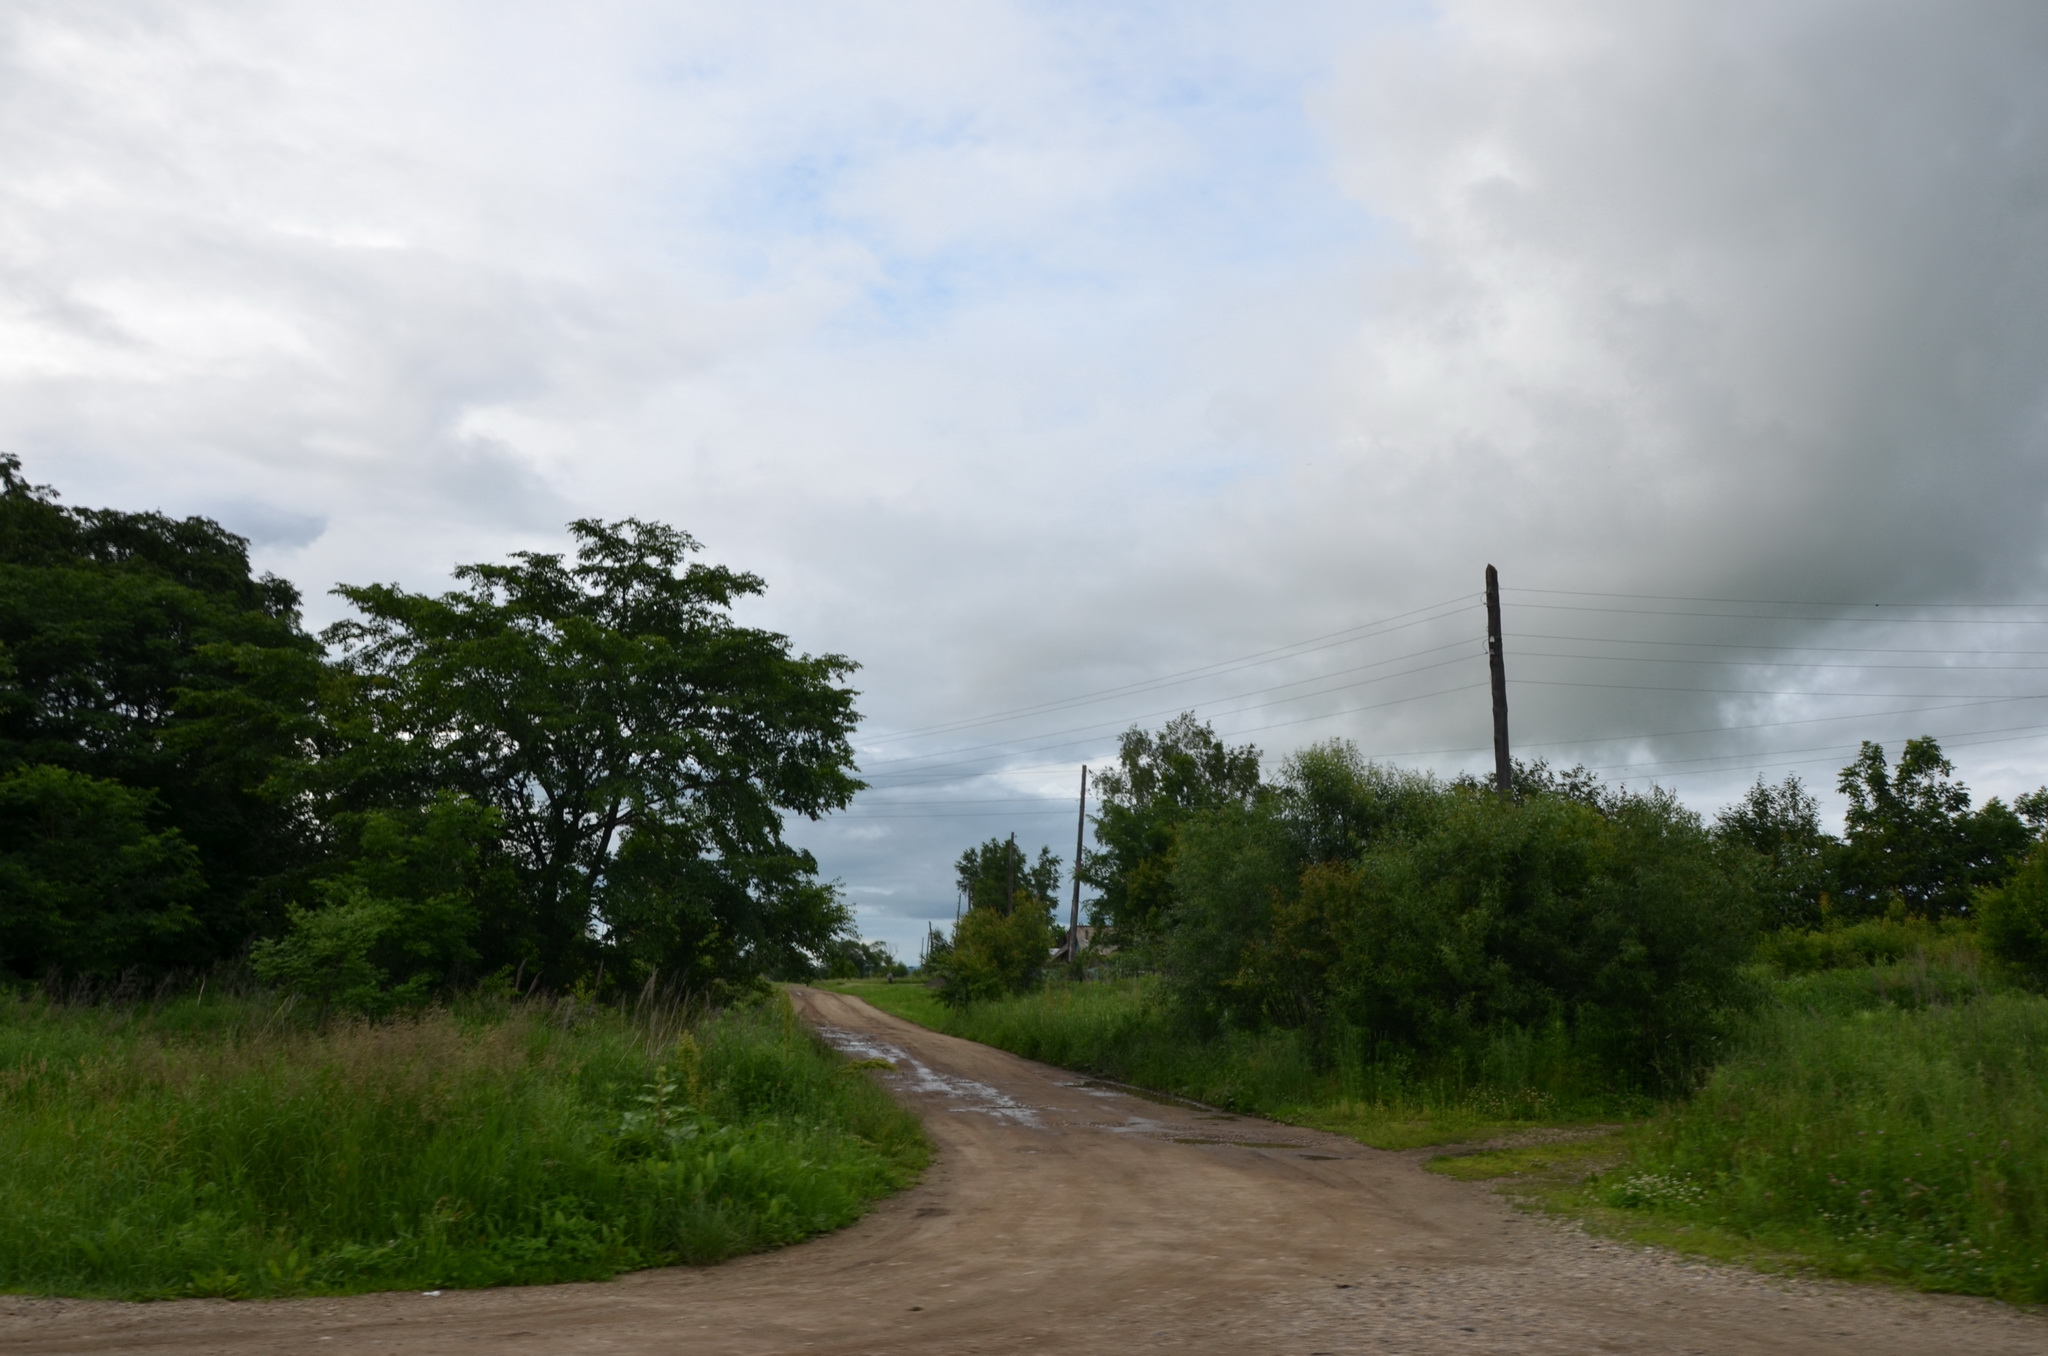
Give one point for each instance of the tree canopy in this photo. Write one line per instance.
(567, 767)
(140, 651)
(1160, 779)
(637, 746)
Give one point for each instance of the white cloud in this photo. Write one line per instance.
(1032, 348)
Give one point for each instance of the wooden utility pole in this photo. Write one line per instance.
(1503, 769)
(1010, 860)
(1074, 917)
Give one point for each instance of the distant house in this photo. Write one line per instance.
(1078, 940)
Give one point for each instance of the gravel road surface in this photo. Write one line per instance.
(1063, 1215)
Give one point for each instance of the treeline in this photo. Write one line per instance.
(567, 771)
(1387, 914)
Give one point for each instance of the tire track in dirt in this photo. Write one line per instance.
(1065, 1215)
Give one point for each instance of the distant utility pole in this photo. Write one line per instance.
(1074, 918)
(1010, 860)
(1503, 769)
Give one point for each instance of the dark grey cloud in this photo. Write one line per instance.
(1032, 352)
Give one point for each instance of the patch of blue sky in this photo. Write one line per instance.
(1220, 165)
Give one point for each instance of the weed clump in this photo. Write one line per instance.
(228, 1149)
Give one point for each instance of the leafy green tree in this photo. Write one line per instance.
(2013, 918)
(395, 917)
(1464, 916)
(1002, 943)
(993, 953)
(853, 958)
(86, 887)
(138, 648)
(997, 875)
(1913, 843)
(1248, 942)
(638, 746)
(1158, 782)
(1780, 825)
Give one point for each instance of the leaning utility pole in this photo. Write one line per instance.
(1503, 769)
(1010, 860)
(1074, 918)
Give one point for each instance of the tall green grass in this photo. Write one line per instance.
(223, 1148)
(1126, 1030)
(1887, 1121)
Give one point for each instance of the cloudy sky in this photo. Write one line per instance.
(1069, 365)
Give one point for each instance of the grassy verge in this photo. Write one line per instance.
(907, 999)
(1116, 1030)
(1880, 1122)
(220, 1148)
(1892, 1142)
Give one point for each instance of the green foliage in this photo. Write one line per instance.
(997, 875)
(1001, 945)
(1432, 918)
(1792, 952)
(1913, 841)
(2014, 919)
(573, 769)
(137, 648)
(85, 885)
(1159, 781)
(638, 746)
(396, 923)
(1872, 1138)
(1130, 1031)
(994, 953)
(852, 958)
(1780, 825)
(221, 1148)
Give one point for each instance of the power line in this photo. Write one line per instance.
(1741, 645)
(1755, 692)
(1958, 742)
(1329, 640)
(1753, 602)
(1373, 706)
(1760, 616)
(1704, 729)
(940, 814)
(1302, 682)
(1575, 742)
(1783, 663)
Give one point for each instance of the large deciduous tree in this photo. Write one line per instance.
(138, 651)
(1780, 826)
(998, 875)
(1159, 781)
(1913, 841)
(636, 745)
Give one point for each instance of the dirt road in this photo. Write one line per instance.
(1064, 1216)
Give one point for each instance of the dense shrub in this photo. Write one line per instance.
(1428, 917)
(2014, 919)
(993, 953)
(85, 885)
(1877, 1137)
(234, 1148)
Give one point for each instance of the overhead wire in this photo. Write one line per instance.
(947, 766)
(1328, 640)
(1302, 682)
(1761, 616)
(1751, 602)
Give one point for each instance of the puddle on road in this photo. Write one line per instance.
(1102, 1087)
(1240, 1143)
(966, 1092)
